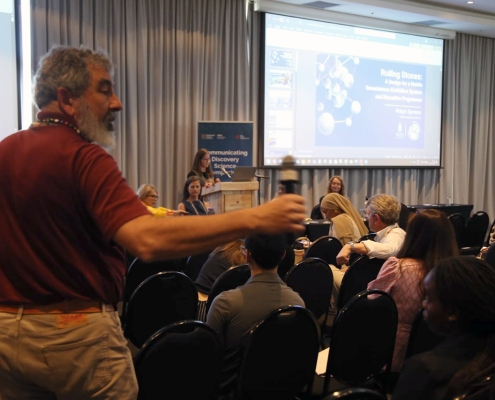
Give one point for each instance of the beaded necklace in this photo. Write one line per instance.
(195, 209)
(55, 121)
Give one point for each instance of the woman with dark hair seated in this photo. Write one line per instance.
(192, 201)
(460, 302)
(429, 239)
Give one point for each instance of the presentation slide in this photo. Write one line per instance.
(345, 96)
(8, 66)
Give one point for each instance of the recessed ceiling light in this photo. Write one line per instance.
(470, 2)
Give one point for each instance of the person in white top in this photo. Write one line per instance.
(382, 212)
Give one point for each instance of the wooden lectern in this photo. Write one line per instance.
(231, 196)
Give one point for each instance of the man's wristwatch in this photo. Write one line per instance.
(351, 245)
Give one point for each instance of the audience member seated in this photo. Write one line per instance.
(202, 168)
(233, 313)
(191, 198)
(345, 222)
(149, 196)
(460, 302)
(491, 241)
(382, 211)
(429, 238)
(219, 261)
(336, 185)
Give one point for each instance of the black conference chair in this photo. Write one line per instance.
(325, 248)
(361, 272)
(356, 394)
(474, 233)
(182, 361)
(161, 299)
(422, 338)
(139, 270)
(194, 264)
(458, 223)
(363, 339)
(230, 279)
(368, 236)
(404, 216)
(279, 356)
(287, 262)
(312, 278)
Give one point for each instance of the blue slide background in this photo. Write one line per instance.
(376, 125)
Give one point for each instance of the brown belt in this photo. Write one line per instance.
(63, 307)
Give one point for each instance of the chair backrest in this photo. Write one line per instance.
(404, 215)
(182, 358)
(194, 264)
(475, 231)
(312, 278)
(361, 272)
(139, 270)
(356, 394)
(325, 248)
(458, 223)
(279, 355)
(368, 236)
(363, 338)
(235, 276)
(161, 299)
(287, 262)
(422, 338)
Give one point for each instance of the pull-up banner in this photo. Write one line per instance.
(230, 144)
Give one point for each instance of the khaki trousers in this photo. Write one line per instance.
(65, 357)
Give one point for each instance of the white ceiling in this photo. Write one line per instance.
(455, 15)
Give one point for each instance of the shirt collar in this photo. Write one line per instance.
(384, 232)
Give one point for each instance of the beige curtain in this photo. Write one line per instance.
(183, 61)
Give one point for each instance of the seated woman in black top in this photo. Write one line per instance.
(202, 168)
(460, 302)
(219, 261)
(191, 199)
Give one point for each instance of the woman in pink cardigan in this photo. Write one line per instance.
(429, 238)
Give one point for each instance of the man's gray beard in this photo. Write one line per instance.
(94, 131)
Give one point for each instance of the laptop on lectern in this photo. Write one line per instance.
(244, 174)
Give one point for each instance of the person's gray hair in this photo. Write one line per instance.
(386, 206)
(66, 67)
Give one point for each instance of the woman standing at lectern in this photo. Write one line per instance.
(202, 168)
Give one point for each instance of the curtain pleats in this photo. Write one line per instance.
(183, 61)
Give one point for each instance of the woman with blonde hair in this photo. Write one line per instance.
(149, 195)
(345, 222)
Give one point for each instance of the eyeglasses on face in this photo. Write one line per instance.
(205, 159)
(153, 196)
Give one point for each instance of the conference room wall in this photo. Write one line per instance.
(183, 61)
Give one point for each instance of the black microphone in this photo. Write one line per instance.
(289, 177)
(225, 172)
